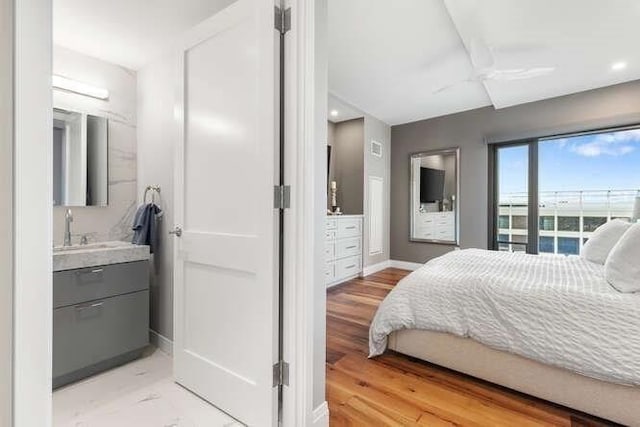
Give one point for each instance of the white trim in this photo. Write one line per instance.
(406, 265)
(344, 279)
(376, 267)
(33, 214)
(163, 343)
(320, 416)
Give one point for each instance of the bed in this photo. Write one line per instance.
(548, 326)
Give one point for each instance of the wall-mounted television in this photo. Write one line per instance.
(431, 185)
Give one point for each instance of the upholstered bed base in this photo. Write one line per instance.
(607, 400)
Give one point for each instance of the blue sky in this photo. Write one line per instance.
(607, 161)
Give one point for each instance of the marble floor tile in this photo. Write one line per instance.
(140, 394)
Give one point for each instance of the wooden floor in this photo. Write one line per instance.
(396, 390)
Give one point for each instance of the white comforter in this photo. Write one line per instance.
(554, 309)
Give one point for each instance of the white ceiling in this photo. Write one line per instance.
(389, 58)
(126, 32)
(339, 111)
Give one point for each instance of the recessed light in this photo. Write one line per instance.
(617, 66)
(334, 113)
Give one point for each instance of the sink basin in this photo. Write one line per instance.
(91, 246)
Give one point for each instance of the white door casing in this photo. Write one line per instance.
(226, 260)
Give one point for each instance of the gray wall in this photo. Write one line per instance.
(606, 107)
(6, 213)
(348, 155)
(156, 149)
(380, 167)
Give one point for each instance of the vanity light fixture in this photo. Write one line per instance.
(618, 66)
(334, 113)
(69, 85)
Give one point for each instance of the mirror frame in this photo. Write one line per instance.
(456, 152)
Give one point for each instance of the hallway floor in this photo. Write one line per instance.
(139, 394)
(396, 390)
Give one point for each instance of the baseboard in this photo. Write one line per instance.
(405, 265)
(376, 267)
(163, 343)
(320, 416)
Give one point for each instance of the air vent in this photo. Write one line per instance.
(376, 148)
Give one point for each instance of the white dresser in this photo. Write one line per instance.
(343, 248)
(436, 226)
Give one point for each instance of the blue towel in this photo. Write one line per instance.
(145, 226)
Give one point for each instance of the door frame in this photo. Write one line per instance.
(6, 214)
(304, 332)
(31, 115)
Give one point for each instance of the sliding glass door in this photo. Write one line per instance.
(512, 184)
(550, 194)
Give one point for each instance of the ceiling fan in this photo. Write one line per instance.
(484, 69)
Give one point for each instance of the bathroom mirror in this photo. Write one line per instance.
(434, 196)
(80, 164)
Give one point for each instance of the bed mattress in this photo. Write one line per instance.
(557, 310)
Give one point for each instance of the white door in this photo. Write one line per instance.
(226, 269)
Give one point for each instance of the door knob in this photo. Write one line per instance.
(177, 231)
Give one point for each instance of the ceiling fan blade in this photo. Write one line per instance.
(519, 74)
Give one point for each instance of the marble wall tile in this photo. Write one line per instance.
(114, 221)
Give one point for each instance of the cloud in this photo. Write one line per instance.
(606, 144)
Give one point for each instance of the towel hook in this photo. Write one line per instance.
(154, 189)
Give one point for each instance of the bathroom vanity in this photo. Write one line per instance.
(100, 308)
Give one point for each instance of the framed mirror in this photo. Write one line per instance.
(80, 159)
(434, 201)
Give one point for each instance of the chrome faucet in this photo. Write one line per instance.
(68, 219)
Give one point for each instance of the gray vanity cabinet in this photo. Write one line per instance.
(100, 318)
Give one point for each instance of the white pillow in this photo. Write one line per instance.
(603, 240)
(622, 269)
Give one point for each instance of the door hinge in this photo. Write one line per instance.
(282, 197)
(282, 19)
(281, 374)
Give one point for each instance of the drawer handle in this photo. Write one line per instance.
(351, 247)
(350, 266)
(88, 306)
(351, 227)
(97, 270)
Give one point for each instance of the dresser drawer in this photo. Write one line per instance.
(330, 235)
(329, 250)
(332, 224)
(88, 284)
(348, 247)
(348, 267)
(329, 272)
(349, 227)
(89, 333)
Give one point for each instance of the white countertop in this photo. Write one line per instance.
(95, 254)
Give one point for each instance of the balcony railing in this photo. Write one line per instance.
(566, 218)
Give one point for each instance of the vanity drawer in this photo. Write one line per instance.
(89, 333)
(92, 283)
(348, 247)
(348, 267)
(329, 250)
(349, 227)
(332, 224)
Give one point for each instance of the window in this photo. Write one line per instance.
(593, 222)
(568, 223)
(547, 223)
(571, 184)
(519, 222)
(503, 222)
(547, 245)
(568, 245)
